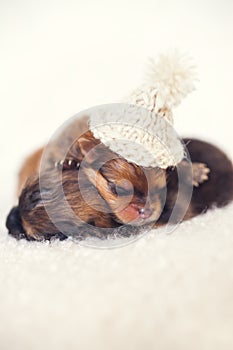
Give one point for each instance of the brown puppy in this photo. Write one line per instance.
(107, 191)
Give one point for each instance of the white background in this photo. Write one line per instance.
(60, 57)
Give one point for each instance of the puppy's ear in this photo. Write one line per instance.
(93, 151)
(87, 144)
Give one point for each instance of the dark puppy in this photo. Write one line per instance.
(217, 191)
(109, 192)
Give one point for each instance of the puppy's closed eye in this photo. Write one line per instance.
(119, 190)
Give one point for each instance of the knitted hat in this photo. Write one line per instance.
(141, 130)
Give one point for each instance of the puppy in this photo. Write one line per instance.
(105, 192)
(94, 190)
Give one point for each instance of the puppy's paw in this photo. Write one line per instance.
(200, 173)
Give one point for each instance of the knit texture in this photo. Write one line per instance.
(138, 135)
(141, 130)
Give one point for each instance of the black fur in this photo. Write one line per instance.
(14, 224)
(217, 191)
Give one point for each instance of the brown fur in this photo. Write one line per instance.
(110, 191)
(30, 167)
(94, 196)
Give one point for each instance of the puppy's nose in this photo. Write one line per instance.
(144, 213)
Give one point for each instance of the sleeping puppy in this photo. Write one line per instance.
(93, 191)
(105, 192)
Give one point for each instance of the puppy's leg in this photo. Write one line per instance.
(200, 173)
(196, 175)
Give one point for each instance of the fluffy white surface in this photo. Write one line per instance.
(162, 292)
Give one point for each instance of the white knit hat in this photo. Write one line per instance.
(141, 130)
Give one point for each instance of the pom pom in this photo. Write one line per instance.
(172, 75)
